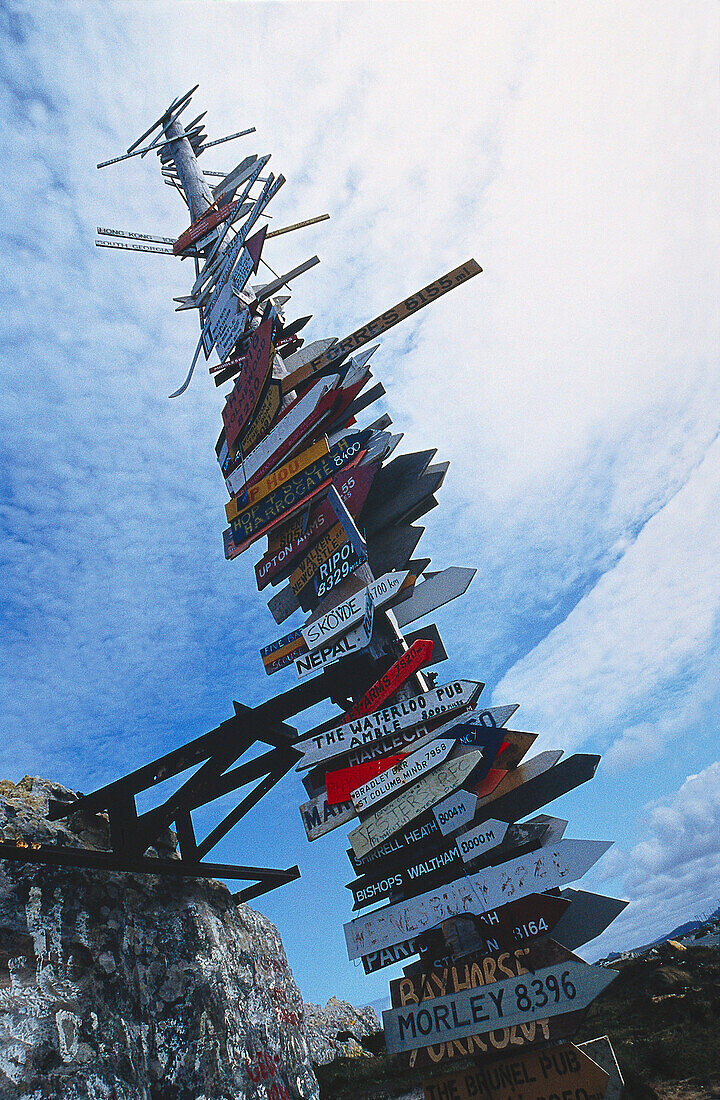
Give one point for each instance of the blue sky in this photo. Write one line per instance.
(574, 386)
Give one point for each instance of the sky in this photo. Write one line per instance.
(572, 150)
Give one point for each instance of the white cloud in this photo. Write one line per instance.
(673, 875)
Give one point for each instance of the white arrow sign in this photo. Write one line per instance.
(536, 872)
(319, 816)
(338, 620)
(433, 593)
(352, 642)
(458, 694)
(412, 802)
(476, 842)
(406, 771)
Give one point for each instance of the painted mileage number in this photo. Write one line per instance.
(542, 991)
(531, 929)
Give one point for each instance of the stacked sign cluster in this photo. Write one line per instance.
(469, 885)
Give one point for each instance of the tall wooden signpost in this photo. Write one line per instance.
(470, 897)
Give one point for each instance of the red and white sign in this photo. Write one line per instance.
(340, 784)
(202, 226)
(413, 659)
(245, 393)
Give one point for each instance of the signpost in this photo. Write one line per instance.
(385, 321)
(389, 721)
(440, 787)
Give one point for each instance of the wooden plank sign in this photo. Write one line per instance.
(320, 816)
(419, 763)
(258, 518)
(565, 987)
(382, 323)
(456, 694)
(243, 398)
(516, 923)
(283, 647)
(545, 869)
(588, 916)
(340, 784)
(263, 488)
(423, 983)
(352, 487)
(338, 620)
(562, 1071)
(202, 226)
(419, 797)
(407, 665)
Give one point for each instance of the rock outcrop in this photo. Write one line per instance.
(135, 987)
(340, 1031)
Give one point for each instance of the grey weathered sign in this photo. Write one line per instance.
(407, 771)
(435, 592)
(542, 870)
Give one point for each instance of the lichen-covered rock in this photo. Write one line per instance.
(135, 987)
(337, 1030)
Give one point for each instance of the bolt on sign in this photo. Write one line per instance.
(244, 396)
(563, 1072)
(381, 324)
(554, 990)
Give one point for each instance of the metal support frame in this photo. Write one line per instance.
(131, 834)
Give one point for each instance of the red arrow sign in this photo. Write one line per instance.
(414, 658)
(202, 226)
(341, 783)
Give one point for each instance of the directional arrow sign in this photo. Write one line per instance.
(424, 982)
(565, 987)
(339, 566)
(284, 473)
(387, 722)
(316, 556)
(517, 923)
(482, 839)
(338, 620)
(461, 809)
(404, 773)
(394, 548)
(382, 323)
(560, 1071)
(410, 803)
(406, 665)
(433, 593)
(588, 916)
(353, 642)
(543, 870)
